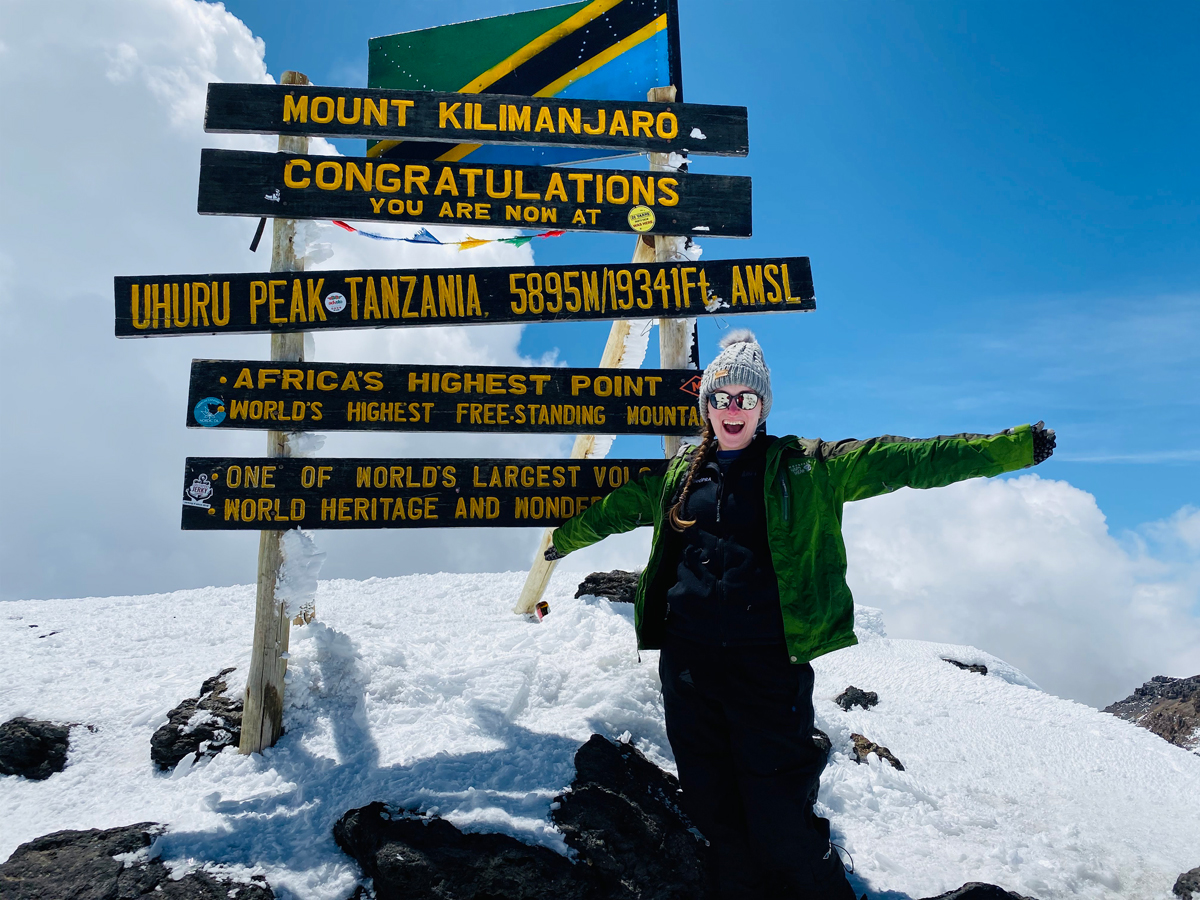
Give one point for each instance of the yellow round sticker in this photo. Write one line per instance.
(641, 218)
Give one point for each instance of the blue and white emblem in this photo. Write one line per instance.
(209, 412)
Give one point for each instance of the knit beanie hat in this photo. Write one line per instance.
(739, 362)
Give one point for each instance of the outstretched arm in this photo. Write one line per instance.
(634, 503)
(883, 464)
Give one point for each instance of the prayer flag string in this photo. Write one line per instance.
(423, 236)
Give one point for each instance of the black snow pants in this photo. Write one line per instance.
(740, 722)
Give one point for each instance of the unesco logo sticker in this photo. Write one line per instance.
(641, 218)
(209, 412)
(335, 302)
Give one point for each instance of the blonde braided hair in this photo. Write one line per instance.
(699, 455)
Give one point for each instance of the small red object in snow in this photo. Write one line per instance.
(542, 609)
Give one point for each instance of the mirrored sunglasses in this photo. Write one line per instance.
(745, 400)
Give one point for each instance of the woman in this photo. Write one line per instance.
(745, 586)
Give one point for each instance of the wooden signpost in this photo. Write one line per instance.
(268, 494)
(246, 183)
(248, 303)
(262, 715)
(483, 119)
(305, 396)
(461, 158)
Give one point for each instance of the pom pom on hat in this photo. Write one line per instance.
(737, 336)
(739, 362)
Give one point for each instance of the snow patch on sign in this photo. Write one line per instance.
(698, 134)
(313, 242)
(305, 444)
(296, 587)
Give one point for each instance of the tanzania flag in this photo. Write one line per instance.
(589, 50)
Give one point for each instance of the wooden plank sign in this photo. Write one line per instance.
(275, 494)
(296, 186)
(640, 127)
(248, 303)
(355, 397)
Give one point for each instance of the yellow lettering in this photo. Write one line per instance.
(295, 110)
(289, 179)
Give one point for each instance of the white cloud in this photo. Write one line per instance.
(1026, 568)
(99, 178)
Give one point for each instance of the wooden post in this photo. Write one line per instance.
(674, 335)
(584, 448)
(614, 353)
(262, 714)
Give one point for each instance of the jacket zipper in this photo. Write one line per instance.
(783, 488)
(720, 490)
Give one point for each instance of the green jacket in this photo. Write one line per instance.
(806, 483)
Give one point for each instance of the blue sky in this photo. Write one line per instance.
(1000, 202)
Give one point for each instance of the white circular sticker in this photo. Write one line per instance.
(335, 302)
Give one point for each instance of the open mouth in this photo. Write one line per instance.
(733, 427)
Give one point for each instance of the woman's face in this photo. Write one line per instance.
(733, 425)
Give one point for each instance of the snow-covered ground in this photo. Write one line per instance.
(426, 690)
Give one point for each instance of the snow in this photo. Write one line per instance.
(296, 586)
(698, 134)
(425, 691)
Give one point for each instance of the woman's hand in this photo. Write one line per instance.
(1043, 443)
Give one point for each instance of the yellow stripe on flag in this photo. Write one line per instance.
(587, 68)
(592, 11)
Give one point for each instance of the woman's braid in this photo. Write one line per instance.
(678, 522)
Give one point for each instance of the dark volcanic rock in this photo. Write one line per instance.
(623, 816)
(33, 749)
(978, 668)
(864, 748)
(821, 739)
(1187, 885)
(203, 725)
(80, 864)
(617, 586)
(417, 858)
(1170, 707)
(977, 890)
(852, 696)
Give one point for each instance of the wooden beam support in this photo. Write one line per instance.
(674, 335)
(262, 716)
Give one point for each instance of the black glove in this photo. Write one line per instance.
(552, 554)
(1043, 442)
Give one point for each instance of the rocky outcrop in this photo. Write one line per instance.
(426, 858)
(977, 668)
(203, 725)
(977, 890)
(621, 815)
(1170, 707)
(113, 864)
(852, 696)
(33, 749)
(1187, 885)
(864, 748)
(617, 586)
